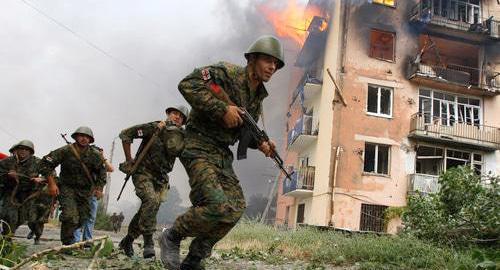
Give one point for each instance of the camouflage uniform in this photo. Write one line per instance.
(216, 194)
(39, 213)
(151, 178)
(17, 207)
(75, 189)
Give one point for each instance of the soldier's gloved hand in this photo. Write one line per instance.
(98, 193)
(268, 148)
(126, 167)
(53, 190)
(232, 117)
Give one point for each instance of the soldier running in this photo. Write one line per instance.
(151, 176)
(214, 125)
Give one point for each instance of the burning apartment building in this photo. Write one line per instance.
(387, 95)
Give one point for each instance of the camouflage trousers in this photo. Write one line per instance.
(151, 192)
(216, 196)
(39, 214)
(75, 209)
(14, 214)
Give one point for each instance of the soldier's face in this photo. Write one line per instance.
(265, 66)
(176, 117)
(23, 152)
(82, 140)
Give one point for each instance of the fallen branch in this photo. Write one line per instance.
(93, 263)
(57, 250)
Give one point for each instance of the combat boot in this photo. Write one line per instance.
(37, 240)
(126, 244)
(192, 263)
(30, 235)
(170, 242)
(149, 247)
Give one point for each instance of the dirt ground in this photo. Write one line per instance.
(118, 260)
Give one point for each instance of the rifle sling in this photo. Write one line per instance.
(84, 167)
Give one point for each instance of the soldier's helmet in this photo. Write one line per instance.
(180, 108)
(84, 131)
(26, 143)
(269, 45)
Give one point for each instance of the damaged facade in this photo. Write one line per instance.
(389, 95)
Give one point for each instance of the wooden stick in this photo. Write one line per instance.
(93, 263)
(341, 94)
(56, 250)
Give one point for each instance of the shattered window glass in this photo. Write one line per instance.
(382, 45)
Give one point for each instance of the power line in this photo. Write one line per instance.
(9, 134)
(91, 44)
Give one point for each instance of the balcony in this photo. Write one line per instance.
(451, 77)
(307, 90)
(460, 20)
(427, 128)
(314, 44)
(302, 135)
(423, 183)
(302, 183)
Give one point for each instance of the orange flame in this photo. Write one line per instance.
(292, 21)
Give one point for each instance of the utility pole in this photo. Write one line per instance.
(108, 179)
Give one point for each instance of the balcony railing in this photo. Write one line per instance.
(423, 183)
(463, 76)
(302, 182)
(308, 87)
(427, 126)
(462, 17)
(303, 126)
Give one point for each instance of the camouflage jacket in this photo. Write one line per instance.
(207, 110)
(72, 174)
(160, 158)
(26, 170)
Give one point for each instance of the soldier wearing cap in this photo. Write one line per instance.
(214, 125)
(83, 174)
(21, 185)
(151, 176)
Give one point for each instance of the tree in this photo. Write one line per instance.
(465, 210)
(171, 208)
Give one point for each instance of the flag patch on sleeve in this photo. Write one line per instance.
(205, 74)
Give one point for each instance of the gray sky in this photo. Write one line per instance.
(110, 64)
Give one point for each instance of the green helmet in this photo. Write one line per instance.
(85, 131)
(180, 108)
(25, 143)
(269, 45)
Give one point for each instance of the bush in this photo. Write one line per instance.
(103, 220)
(464, 211)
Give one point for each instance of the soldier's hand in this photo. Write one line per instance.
(268, 148)
(53, 190)
(12, 174)
(37, 180)
(162, 124)
(126, 167)
(232, 117)
(98, 193)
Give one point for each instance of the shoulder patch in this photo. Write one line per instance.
(205, 74)
(140, 133)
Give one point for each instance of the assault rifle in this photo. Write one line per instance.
(252, 132)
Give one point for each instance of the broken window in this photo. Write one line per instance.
(300, 213)
(446, 109)
(382, 45)
(391, 3)
(372, 217)
(376, 158)
(429, 160)
(379, 100)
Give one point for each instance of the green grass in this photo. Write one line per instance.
(255, 241)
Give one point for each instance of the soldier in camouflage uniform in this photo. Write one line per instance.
(39, 214)
(214, 125)
(75, 186)
(151, 177)
(21, 185)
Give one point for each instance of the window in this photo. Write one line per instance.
(445, 109)
(300, 213)
(382, 45)
(376, 158)
(390, 3)
(429, 160)
(372, 217)
(379, 101)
